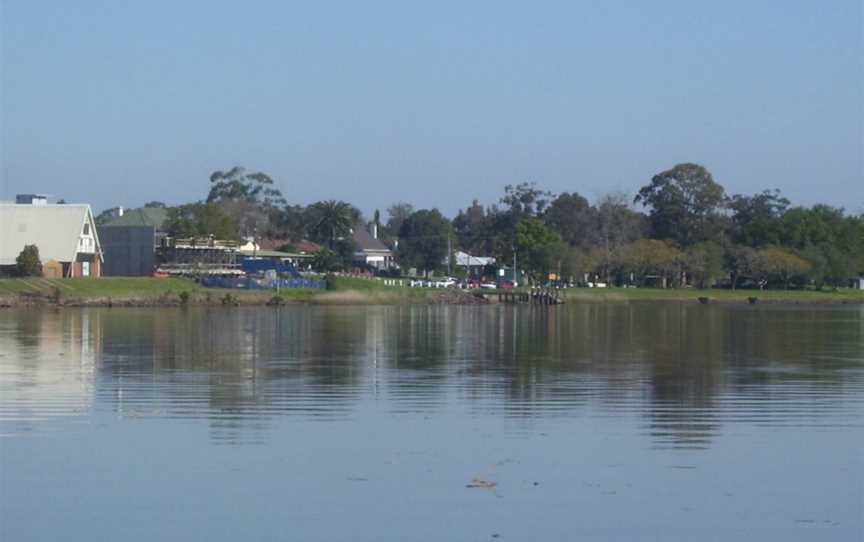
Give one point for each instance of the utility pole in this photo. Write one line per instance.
(515, 284)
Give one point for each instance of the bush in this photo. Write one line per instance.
(27, 263)
(330, 281)
(184, 298)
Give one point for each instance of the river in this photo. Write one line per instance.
(640, 421)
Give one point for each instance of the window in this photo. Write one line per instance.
(87, 229)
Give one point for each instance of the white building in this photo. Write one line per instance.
(65, 235)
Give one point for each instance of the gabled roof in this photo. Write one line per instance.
(366, 243)
(274, 243)
(465, 260)
(53, 228)
(146, 216)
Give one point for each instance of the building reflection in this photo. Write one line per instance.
(48, 365)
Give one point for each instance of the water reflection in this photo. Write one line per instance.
(48, 365)
(682, 373)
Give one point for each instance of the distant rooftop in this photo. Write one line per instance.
(146, 216)
(365, 242)
(31, 199)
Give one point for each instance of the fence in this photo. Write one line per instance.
(249, 283)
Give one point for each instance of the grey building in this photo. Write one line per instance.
(129, 250)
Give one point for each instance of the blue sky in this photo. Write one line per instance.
(118, 103)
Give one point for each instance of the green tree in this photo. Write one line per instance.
(704, 263)
(331, 220)
(292, 221)
(396, 215)
(525, 200)
(756, 220)
(200, 220)
(647, 258)
(236, 184)
(572, 217)
(685, 204)
(472, 229)
(325, 260)
(155, 205)
(28, 264)
(616, 225)
(774, 263)
(423, 240)
(105, 216)
(251, 199)
(575, 264)
(540, 249)
(739, 262)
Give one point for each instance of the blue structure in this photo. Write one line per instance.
(249, 283)
(255, 266)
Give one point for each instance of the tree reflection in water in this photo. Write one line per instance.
(682, 369)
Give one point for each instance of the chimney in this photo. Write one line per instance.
(375, 230)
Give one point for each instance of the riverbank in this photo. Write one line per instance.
(166, 292)
(693, 295)
(159, 292)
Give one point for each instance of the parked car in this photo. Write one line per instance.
(489, 285)
(505, 285)
(444, 282)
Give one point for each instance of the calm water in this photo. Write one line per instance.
(595, 422)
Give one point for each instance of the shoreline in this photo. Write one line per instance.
(178, 292)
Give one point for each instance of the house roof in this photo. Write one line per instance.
(366, 243)
(301, 246)
(54, 228)
(146, 216)
(465, 260)
(306, 246)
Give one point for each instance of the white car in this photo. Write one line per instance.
(445, 282)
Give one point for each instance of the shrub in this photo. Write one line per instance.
(27, 263)
(56, 295)
(330, 281)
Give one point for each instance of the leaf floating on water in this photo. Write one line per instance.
(482, 484)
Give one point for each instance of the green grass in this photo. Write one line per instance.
(103, 287)
(148, 289)
(683, 294)
(377, 287)
(372, 291)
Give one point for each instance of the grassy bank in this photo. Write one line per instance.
(841, 295)
(146, 291)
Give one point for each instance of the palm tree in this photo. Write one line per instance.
(332, 219)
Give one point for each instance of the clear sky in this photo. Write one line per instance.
(435, 103)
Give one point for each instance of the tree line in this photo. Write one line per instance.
(681, 228)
